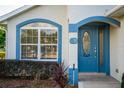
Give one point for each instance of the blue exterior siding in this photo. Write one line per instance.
(72, 27)
(33, 21)
(107, 49)
(73, 76)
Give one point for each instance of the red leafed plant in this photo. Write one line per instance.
(61, 76)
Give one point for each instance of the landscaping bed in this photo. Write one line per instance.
(32, 74)
(25, 83)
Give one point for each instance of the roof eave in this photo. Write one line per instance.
(112, 12)
(15, 12)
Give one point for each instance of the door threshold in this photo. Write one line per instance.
(92, 73)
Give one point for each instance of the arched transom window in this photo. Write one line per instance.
(39, 41)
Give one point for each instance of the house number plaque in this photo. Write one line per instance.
(73, 41)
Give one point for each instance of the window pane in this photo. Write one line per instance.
(29, 40)
(29, 51)
(43, 52)
(32, 51)
(86, 44)
(48, 51)
(23, 36)
(54, 40)
(23, 40)
(48, 40)
(42, 40)
(29, 36)
(29, 33)
(48, 36)
(48, 32)
(54, 52)
(23, 51)
(35, 33)
(23, 33)
(23, 55)
(35, 40)
(43, 33)
(54, 32)
(23, 48)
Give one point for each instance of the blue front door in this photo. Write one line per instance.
(88, 49)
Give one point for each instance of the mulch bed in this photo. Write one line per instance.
(24, 83)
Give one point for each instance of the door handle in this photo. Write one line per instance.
(94, 52)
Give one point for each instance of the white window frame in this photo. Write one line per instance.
(39, 44)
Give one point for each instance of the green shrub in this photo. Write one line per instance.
(122, 83)
(27, 68)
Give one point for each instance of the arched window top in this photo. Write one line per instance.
(38, 24)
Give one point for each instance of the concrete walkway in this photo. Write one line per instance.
(95, 80)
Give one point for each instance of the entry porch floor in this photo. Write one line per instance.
(97, 80)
